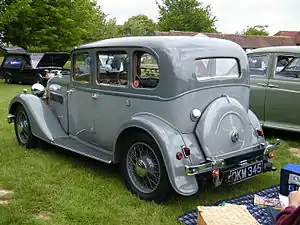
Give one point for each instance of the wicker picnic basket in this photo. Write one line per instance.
(225, 215)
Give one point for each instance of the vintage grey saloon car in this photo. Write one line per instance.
(275, 86)
(187, 120)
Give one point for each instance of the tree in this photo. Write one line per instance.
(111, 29)
(48, 25)
(139, 25)
(256, 30)
(185, 15)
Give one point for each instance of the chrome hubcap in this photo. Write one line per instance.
(140, 168)
(143, 167)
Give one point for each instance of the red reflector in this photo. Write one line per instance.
(186, 151)
(271, 155)
(215, 173)
(260, 133)
(179, 155)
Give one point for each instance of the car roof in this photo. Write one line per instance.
(160, 42)
(17, 53)
(275, 49)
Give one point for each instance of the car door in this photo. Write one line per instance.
(80, 98)
(259, 68)
(283, 93)
(27, 73)
(110, 103)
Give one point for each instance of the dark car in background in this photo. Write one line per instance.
(28, 68)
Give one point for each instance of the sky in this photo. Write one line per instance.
(232, 15)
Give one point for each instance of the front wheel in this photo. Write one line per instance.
(23, 129)
(144, 171)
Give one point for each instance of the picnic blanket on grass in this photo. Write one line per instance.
(264, 216)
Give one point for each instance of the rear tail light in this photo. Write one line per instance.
(179, 155)
(259, 133)
(46, 75)
(215, 173)
(271, 155)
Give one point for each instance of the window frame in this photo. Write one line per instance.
(269, 59)
(73, 67)
(105, 50)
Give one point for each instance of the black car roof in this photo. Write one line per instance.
(13, 49)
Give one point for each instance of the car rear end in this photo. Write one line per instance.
(228, 135)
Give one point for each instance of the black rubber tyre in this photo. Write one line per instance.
(163, 188)
(39, 80)
(9, 80)
(23, 129)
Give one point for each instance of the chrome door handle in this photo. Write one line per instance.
(273, 86)
(262, 84)
(95, 96)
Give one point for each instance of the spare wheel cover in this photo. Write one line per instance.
(223, 128)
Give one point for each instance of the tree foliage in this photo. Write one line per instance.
(139, 25)
(256, 30)
(51, 25)
(185, 15)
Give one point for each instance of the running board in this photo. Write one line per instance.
(76, 146)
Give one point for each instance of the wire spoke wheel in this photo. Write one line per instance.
(23, 130)
(143, 167)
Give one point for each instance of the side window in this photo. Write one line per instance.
(287, 67)
(146, 70)
(81, 67)
(112, 68)
(258, 64)
(13, 62)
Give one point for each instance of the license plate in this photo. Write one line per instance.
(246, 172)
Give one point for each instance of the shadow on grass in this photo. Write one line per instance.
(78, 160)
(282, 134)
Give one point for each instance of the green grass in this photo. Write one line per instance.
(77, 190)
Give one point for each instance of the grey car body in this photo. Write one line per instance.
(166, 131)
(275, 86)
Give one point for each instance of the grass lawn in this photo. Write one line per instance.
(53, 186)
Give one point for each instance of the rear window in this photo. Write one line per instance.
(13, 62)
(216, 68)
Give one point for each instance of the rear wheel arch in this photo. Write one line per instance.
(124, 138)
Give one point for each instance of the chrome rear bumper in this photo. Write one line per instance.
(220, 164)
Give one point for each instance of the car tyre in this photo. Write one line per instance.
(23, 128)
(142, 166)
(9, 79)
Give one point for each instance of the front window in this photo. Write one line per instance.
(81, 67)
(294, 65)
(288, 67)
(216, 68)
